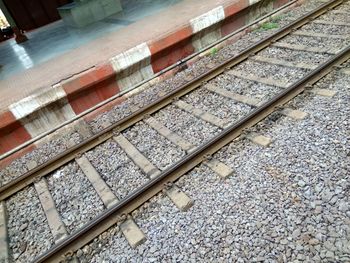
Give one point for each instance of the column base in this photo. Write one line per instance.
(19, 36)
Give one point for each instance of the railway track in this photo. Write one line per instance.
(290, 79)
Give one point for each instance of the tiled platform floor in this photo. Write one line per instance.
(55, 39)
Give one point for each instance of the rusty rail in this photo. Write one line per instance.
(111, 216)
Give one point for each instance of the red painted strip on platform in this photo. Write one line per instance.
(88, 80)
(8, 160)
(91, 88)
(236, 17)
(10, 140)
(12, 133)
(8, 122)
(234, 23)
(234, 8)
(89, 98)
(170, 49)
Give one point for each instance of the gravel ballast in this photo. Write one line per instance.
(285, 203)
(318, 42)
(75, 199)
(245, 87)
(294, 55)
(116, 169)
(267, 70)
(51, 149)
(192, 129)
(156, 148)
(217, 105)
(28, 230)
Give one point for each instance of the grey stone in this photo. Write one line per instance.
(327, 195)
(296, 233)
(79, 253)
(329, 254)
(343, 206)
(23, 226)
(301, 183)
(152, 249)
(314, 241)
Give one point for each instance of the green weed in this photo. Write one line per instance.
(268, 26)
(276, 19)
(213, 51)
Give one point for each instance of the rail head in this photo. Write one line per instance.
(42, 170)
(154, 186)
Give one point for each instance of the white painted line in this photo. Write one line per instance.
(140, 53)
(32, 103)
(208, 19)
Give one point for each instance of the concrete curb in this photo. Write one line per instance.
(46, 110)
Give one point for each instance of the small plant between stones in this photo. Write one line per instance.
(213, 51)
(272, 24)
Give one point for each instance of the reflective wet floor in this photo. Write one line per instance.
(56, 38)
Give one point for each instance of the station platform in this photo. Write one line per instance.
(60, 51)
(58, 80)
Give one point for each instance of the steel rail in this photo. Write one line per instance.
(28, 178)
(177, 64)
(154, 186)
(113, 215)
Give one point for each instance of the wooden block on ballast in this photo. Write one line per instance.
(260, 140)
(132, 233)
(179, 198)
(294, 114)
(219, 168)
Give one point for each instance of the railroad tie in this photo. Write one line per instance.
(31, 164)
(344, 12)
(4, 249)
(334, 23)
(266, 81)
(54, 221)
(294, 114)
(102, 189)
(234, 96)
(313, 34)
(170, 135)
(132, 233)
(323, 92)
(305, 48)
(182, 201)
(220, 168)
(259, 139)
(137, 157)
(283, 63)
(203, 115)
